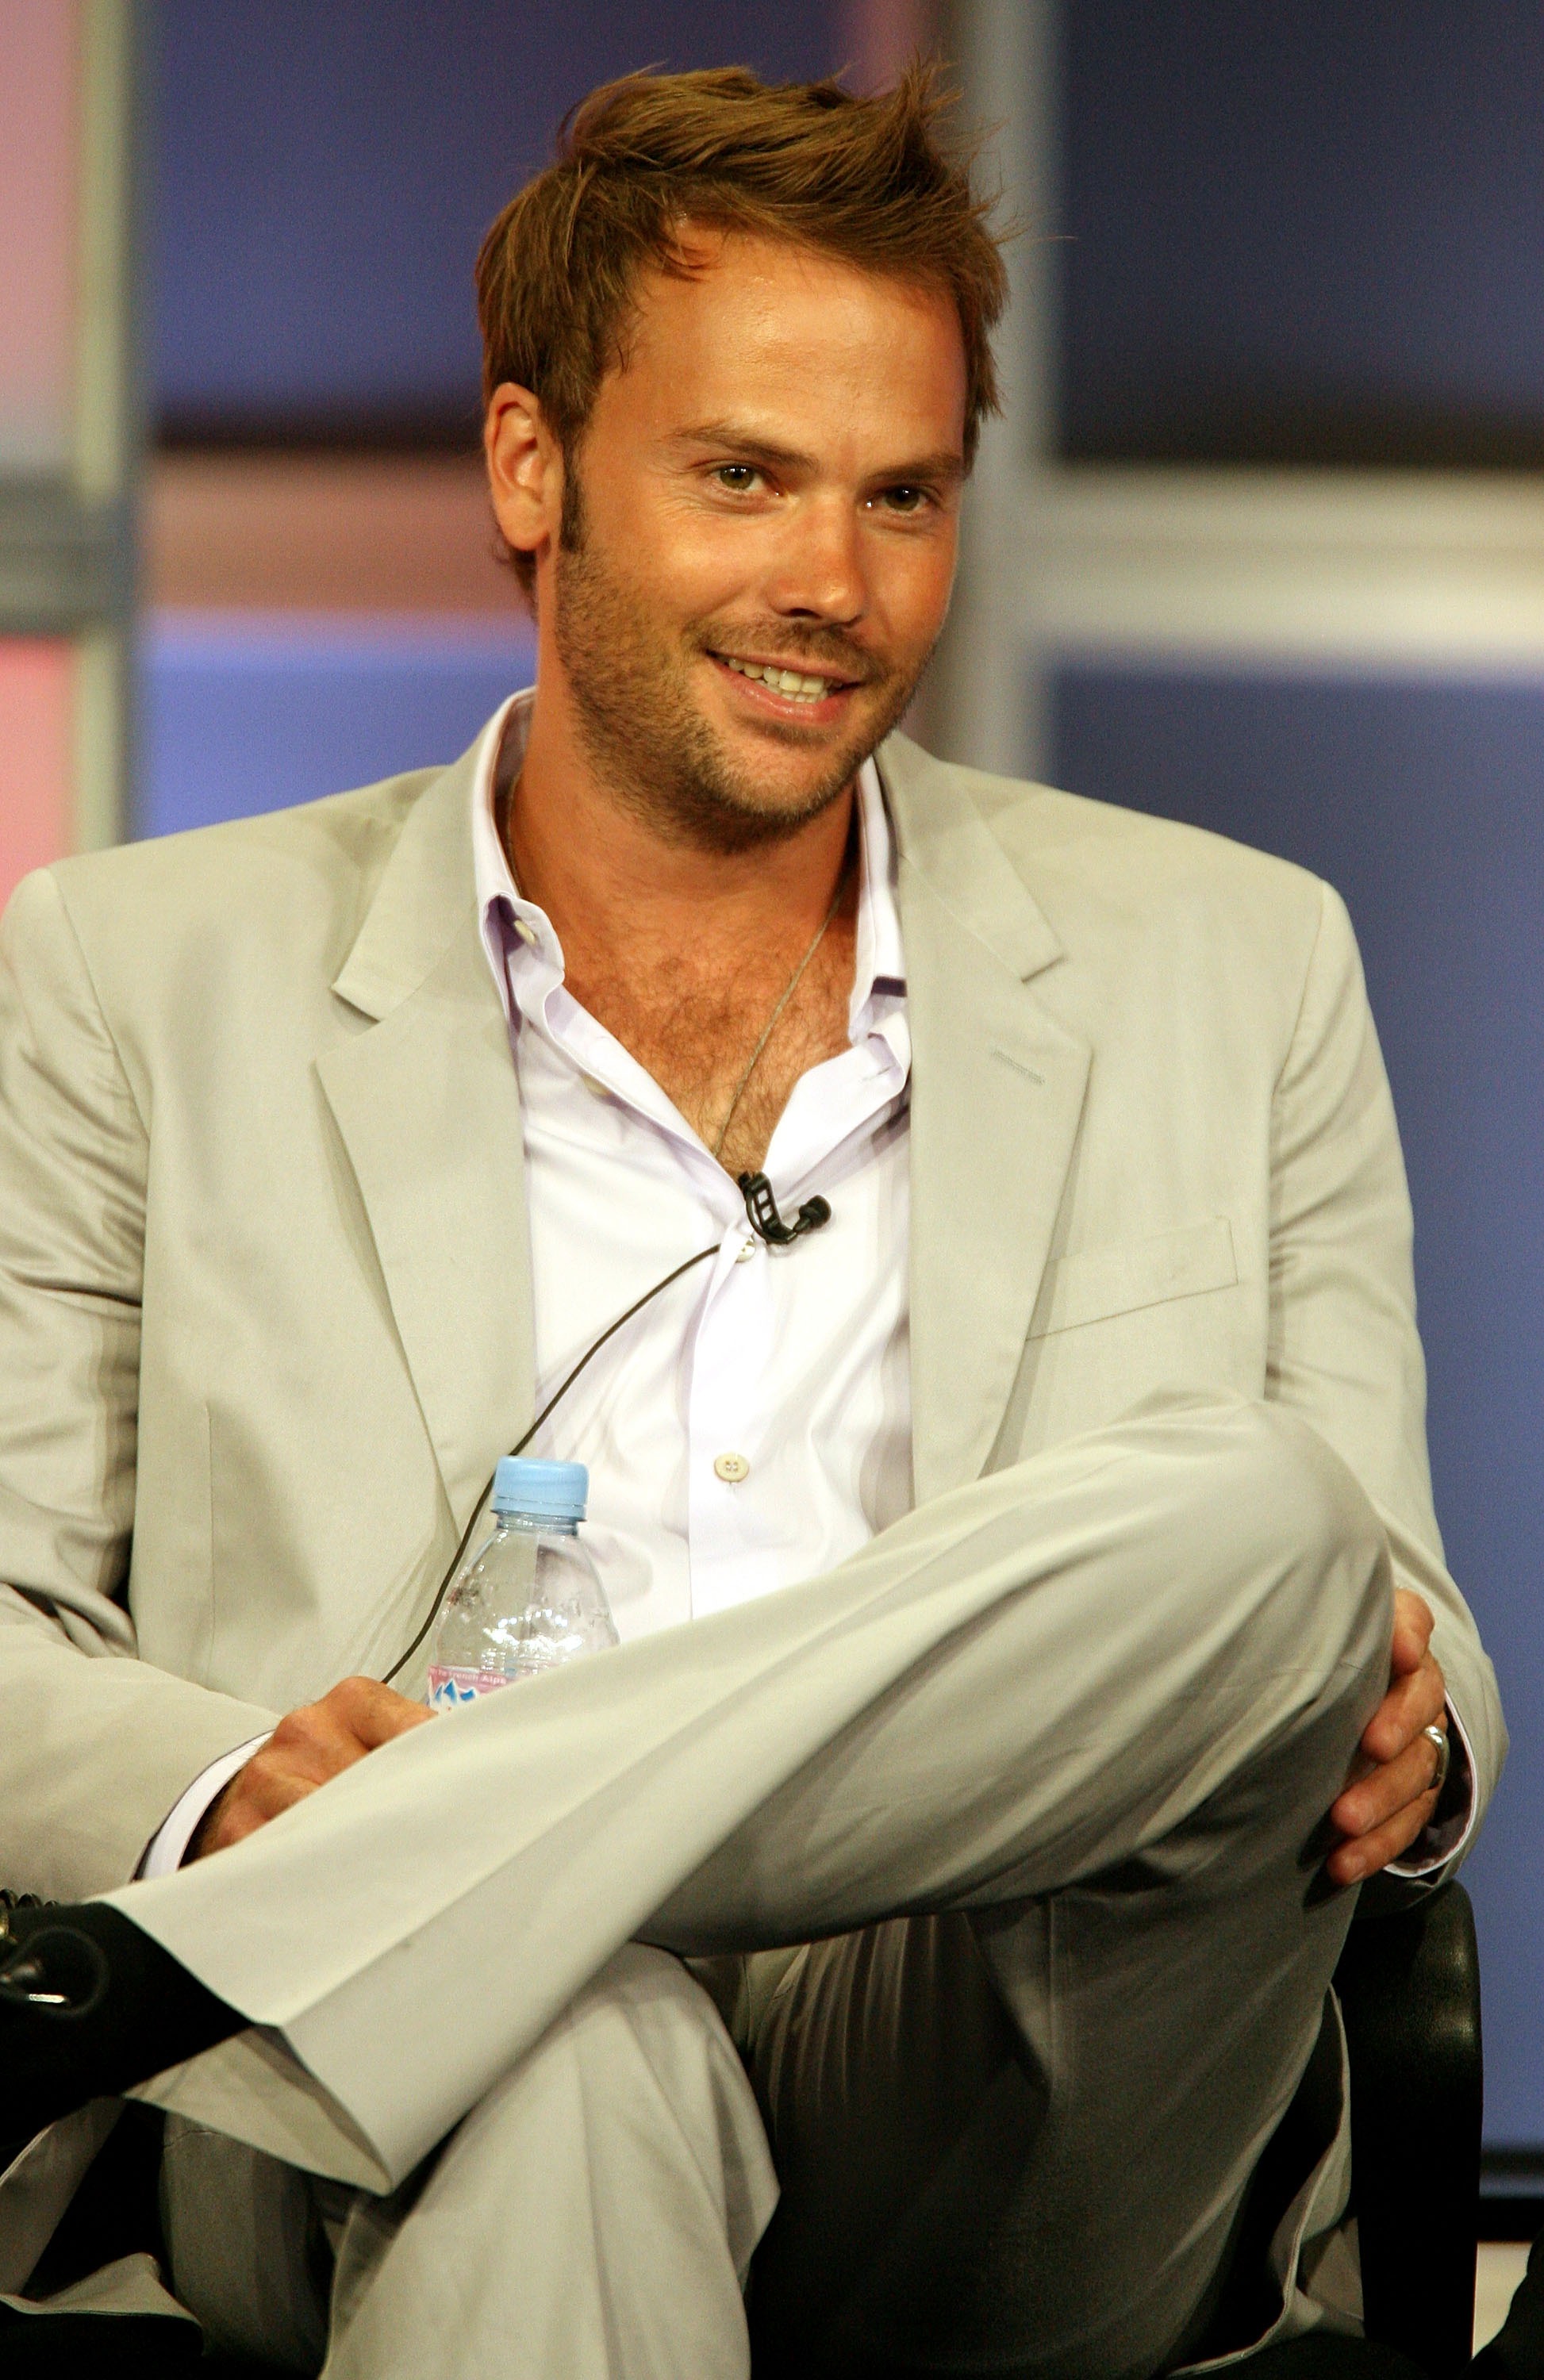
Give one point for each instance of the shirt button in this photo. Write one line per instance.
(526, 930)
(745, 1252)
(732, 1469)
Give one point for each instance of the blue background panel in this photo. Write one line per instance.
(324, 176)
(1305, 231)
(1424, 803)
(242, 714)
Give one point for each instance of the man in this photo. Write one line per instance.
(1053, 1520)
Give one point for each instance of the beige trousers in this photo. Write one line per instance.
(594, 2212)
(1040, 1777)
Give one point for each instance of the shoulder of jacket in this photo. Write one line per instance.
(324, 853)
(1070, 849)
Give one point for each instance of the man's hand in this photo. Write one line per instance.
(1389, 1798)
(307, 1747)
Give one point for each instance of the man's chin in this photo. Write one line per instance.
(718, 820)
(763, 804)
(795, 770)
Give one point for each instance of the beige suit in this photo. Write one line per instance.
(265, 1312)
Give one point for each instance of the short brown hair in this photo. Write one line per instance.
(642, 159)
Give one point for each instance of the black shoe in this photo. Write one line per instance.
(90, 2005)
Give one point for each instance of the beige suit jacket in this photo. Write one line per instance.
(264, 1295)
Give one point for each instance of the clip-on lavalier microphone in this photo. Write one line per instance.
(761, 1208)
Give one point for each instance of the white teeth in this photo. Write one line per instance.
(802, 687)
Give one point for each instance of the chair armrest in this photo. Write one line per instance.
(1408, 1984)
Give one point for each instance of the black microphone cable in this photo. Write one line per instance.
(558, 1394)
(768, 1224)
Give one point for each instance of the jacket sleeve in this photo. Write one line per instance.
(1344, 1347)
(95, 1746)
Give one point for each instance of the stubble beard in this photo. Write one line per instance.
(641, 732)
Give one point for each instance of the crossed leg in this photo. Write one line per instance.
(1097, 1705)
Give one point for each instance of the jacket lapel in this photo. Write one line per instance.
(426, 1104)
(997, 1093)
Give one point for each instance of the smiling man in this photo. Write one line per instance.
(1034, 1625)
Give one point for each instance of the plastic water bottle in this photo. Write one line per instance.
(530, 1597)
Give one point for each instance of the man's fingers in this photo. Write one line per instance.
(373, 1713)
(308, 1747)
(314, 1742)
(273, 1783)
(1412, 1703)
(1381, 1814)
(1414, 1621)
(268, 1791)
(1389, 1797)
(1393, 1786)
(256, 1793)
(322, 1738)
(1352, 1863)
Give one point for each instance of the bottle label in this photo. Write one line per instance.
(452, 1689)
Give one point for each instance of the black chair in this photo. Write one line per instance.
(1409, 1988)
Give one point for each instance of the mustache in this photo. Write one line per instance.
(824, 652)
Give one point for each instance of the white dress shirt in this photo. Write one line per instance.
(752, 1427)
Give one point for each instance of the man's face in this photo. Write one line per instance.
(768, 484)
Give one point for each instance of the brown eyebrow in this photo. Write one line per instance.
(730, 433)
(947, 466)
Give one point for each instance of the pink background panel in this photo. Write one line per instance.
(36, 754)
(39, 167)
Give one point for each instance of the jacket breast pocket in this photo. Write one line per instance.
(1094, 1284)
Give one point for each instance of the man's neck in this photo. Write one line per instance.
(611, 880)
(683, 954)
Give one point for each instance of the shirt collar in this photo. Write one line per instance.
(522, 946)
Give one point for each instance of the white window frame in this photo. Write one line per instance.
(1408, 573)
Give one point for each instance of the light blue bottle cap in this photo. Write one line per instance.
(544, 1491)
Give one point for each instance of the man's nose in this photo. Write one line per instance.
(818, 572)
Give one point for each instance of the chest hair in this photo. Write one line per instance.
(693, 1025)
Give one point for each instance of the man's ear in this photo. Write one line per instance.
(525, 470)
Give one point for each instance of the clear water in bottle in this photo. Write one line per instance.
(530, 1597)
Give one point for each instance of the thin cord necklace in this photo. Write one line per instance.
(503, 798)
(770, 1028)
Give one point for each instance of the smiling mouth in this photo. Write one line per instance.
(795, 686)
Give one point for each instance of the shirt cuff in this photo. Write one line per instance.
(163, 1853)
(1450, 1828)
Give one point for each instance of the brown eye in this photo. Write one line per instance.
(739, 477)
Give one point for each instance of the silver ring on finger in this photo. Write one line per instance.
(1444, 1757)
